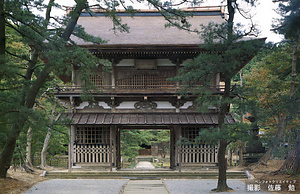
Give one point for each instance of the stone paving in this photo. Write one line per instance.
(144, 166)
(116, 186)
(78, 186)
(204, 186)
(145, 186)
(125, 186)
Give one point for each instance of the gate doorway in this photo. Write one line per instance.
(156, 146)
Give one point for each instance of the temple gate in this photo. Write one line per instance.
(137, 93)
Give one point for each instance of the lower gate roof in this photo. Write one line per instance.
(144, 118)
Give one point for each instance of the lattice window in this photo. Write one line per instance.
(190, 133)
(92, 135)
(96, 79)
(143, 81)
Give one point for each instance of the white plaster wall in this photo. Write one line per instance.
(82, 105)
(126, 63)
(164, 63)
(85, 104)
(160, 105)
(126, 105)
(187, 105)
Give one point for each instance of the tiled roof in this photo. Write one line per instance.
(144, 118)
(147, 28)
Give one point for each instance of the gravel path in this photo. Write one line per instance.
(114, 186)
(144, 166)
(204, 186)
(78, 186)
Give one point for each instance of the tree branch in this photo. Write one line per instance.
(8, 111)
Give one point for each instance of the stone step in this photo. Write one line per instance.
(143, 175)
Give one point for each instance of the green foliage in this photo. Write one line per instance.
(267, 93)
(230, 133)
(268, 84)
(132, 140)
(289, 24)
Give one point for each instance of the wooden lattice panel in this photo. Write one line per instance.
(190, 133)
(92, 135)
(91, 153)
(196, 153)
(143, 81)
(202, 153)
(96, 79)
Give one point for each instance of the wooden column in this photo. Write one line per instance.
(114, 144)
(179, 151)
(111, 148)
(177, 63)
(73, 78)
(72, 143)
(177, 134)
(118, 146)
(71, 147)
(113, 74)
(172, 148)
(71, 132)
(217, 81)
(69, 151)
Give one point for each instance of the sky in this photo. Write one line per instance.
(263, 14)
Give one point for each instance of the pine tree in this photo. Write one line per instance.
(51, 51)
(289, 26)
(230, 53)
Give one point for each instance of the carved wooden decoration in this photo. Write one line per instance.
(93, 105)
(145, 105)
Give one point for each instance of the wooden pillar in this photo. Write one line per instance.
(73, 78)
(177, 133)
(69, 151)
(72, 144)
(113, 74)
(71, 132)
(180, 146)
(114, 146)
(111, 148)
(178, 62)
(71, 147)
(172, 148)
(118, 146)
(217, 81)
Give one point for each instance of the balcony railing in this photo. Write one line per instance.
(138, 88)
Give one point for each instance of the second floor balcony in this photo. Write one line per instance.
(135, 79)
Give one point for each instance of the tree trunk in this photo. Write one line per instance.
(294, 71)
(47, 139)
(44, 150)
(229, 156)
(29, 94)
(2, 36)
(292, 162)
(9, 147)
(222, 180)
(28, 147)
(241, 157)
(264, 159)
(296, 166)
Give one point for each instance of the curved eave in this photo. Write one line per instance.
(171, 51)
